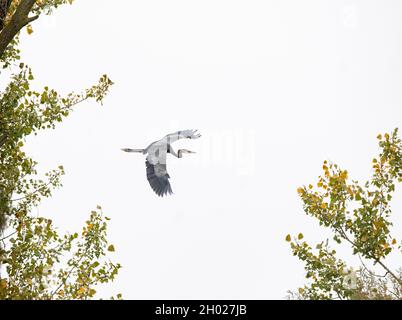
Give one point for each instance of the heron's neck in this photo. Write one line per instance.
(173, 153)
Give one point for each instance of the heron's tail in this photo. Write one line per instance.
(133, 150)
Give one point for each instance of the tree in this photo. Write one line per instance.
(42, 264)
(359, 216)
(36, 262)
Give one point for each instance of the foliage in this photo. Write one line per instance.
(41, 264)
(36, 262)
(356, 215)
(40, 7)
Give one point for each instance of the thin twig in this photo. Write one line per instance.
(8, 236)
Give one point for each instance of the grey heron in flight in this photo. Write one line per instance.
(155, 162)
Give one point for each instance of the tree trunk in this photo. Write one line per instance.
(4, 6)
(19, 20)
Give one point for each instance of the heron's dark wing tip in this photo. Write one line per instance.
(159, 183)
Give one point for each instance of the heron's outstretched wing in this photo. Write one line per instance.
(185, 134)
(158, 178)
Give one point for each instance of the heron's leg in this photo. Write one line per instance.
(133, 150)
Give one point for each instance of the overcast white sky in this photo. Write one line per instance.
(275, 88)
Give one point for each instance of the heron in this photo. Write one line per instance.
(155, 162)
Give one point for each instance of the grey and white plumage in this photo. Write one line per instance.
(155, 163)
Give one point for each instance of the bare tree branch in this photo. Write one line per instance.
(389, 271)
(8, 236)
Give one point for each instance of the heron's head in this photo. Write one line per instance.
(180, 152)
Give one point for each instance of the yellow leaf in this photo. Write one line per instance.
(29, 29)
(300, 236)
(288, 238)
(393, 241)
(379, 137)
(81, 290)
(344, 175)
(111, 248)
(300, 190)
(3, 283)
